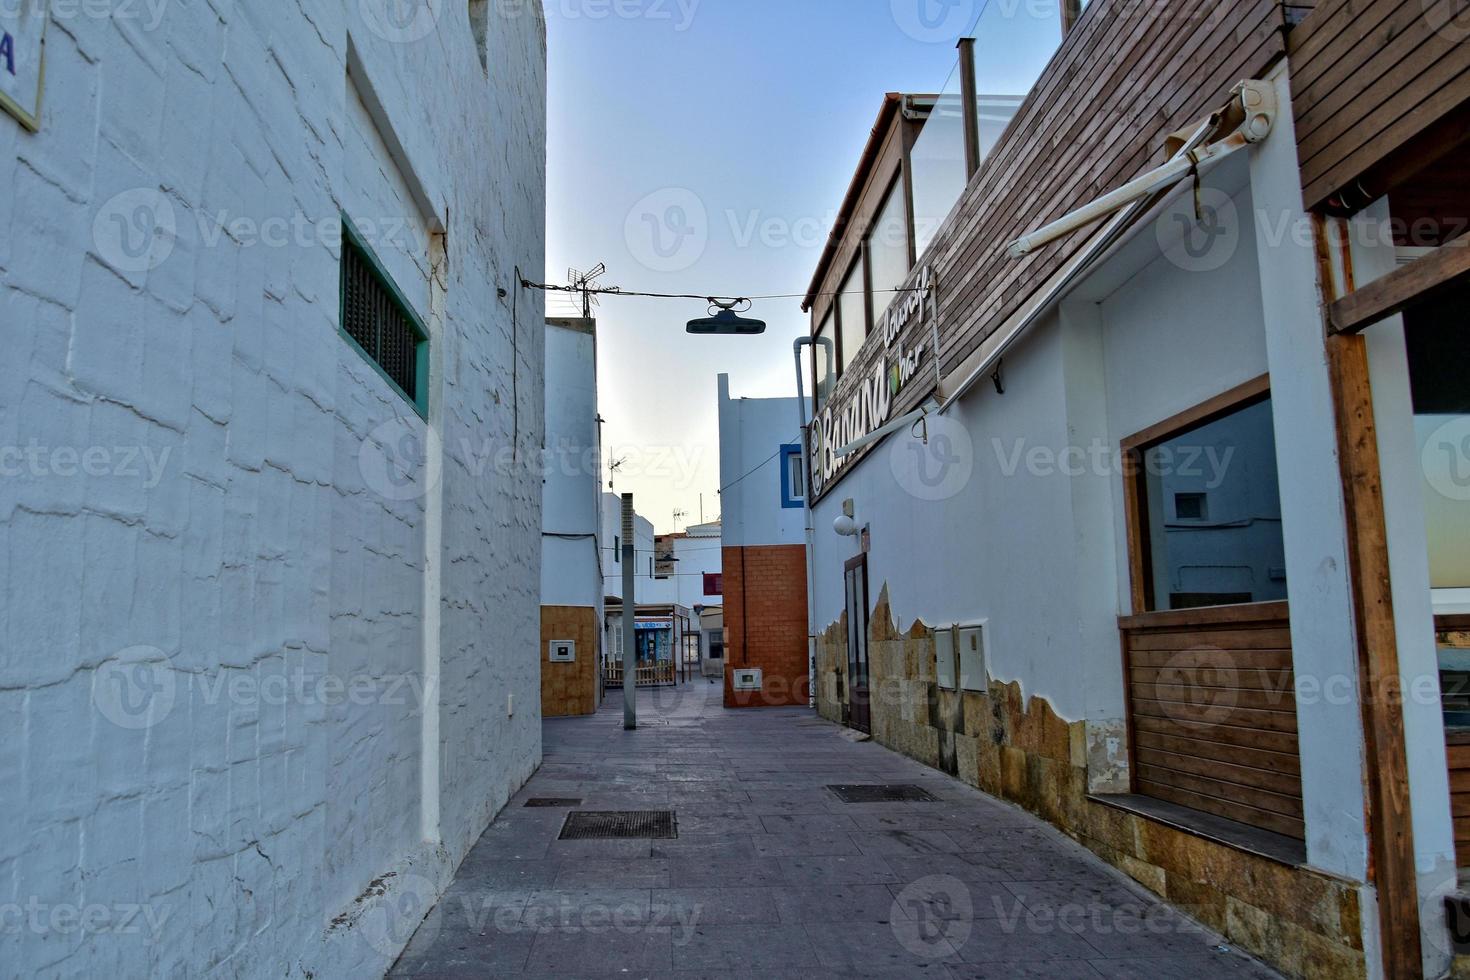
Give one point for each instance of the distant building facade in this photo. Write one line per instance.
(571, 516)
(764, 551)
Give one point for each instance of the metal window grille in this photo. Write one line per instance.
(378, 321)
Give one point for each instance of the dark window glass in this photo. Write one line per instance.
(1222, 545)
(1437, 335)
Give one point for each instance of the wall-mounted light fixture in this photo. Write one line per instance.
(845, 525)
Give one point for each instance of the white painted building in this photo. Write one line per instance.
(269, 625)
(1126, 438)
(762, 500)
(687, 567)
(763, 511)
(571, 566)
(612, 550)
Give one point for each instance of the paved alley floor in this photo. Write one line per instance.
(771, 874)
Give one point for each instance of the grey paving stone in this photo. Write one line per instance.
(796, 844)
(457, 954)
(1021, 937)
(897, 945)
(808, 823)
(904, 842)
(835, 903)
(702, 872)
(966, 867)
(629, 952)
(589, 908)
(647, 873)
(745, 948)
(1033, 970)
(678, 908)
(1211, 966)
(707, 847)
(491, 874)
(752, 888)
(946, 897)
(836, 870)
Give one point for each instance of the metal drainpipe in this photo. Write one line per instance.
(811, 571)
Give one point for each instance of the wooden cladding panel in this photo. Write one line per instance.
(1212, 704)
(1458, 751)
(1123, 79)
(1367, 77)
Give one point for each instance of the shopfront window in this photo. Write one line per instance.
(888, 251)
(852, 313)
(1206, 509)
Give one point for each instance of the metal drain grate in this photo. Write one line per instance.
(884, 793)
(619, 825)
(553, 801)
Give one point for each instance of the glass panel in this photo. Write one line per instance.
(852, 313)
(938, 163)
(1438, 337)
(824, 352)
(888, 251)
(1011, 51)
(1213, 511)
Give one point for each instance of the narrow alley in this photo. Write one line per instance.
(772, 874)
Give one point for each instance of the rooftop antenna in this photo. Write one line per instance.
(586, 284)
(612, 470)
(679, 515)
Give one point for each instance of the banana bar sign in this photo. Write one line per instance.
(22, 60)
(864, 404)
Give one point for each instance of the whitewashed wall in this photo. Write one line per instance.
(752, 432)
(571, 574)
(696, 557)
(1019, 535)
(612, 535)
(187, 764)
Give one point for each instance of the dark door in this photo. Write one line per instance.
(859, 712)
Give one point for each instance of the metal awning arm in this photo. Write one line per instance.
(1252, 102)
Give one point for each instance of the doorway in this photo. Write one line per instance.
(859, 708)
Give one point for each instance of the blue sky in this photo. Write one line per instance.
(729, 128)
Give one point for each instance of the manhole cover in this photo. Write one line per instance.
(552, 801)
(884, 793)
(619, 825)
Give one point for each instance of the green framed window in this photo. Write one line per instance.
(378, 321)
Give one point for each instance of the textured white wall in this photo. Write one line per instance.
(213, 631)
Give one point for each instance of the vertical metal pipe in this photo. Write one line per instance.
(970, 100)
(630, 611)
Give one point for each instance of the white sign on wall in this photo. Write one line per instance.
(863, 404)
(562, 652)
(22, 60)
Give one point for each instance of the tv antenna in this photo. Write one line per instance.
(586, 284)
(679, 515)
(612, 470)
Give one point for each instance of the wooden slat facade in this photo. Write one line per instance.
(1454, 632)
(1368, 76)
(1212, 706)
(1098, 116)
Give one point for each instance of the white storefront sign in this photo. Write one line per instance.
(22, 60)
(867, 402)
